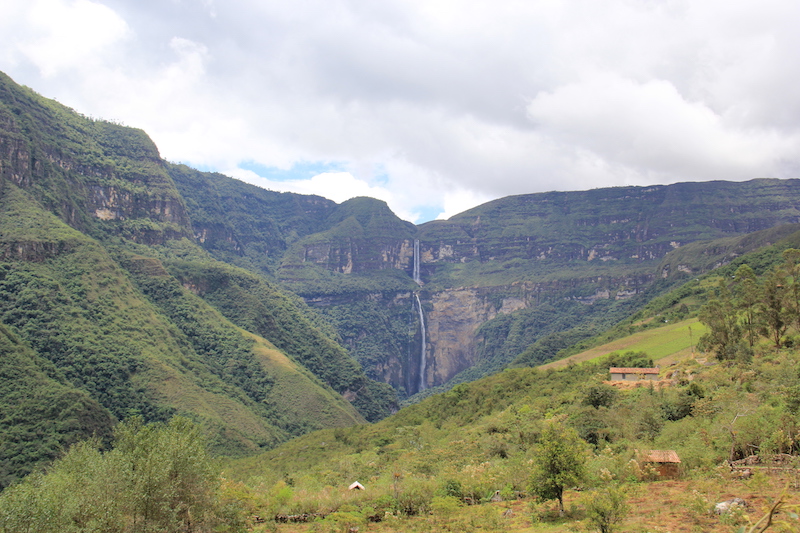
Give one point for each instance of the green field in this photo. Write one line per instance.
(664, 344)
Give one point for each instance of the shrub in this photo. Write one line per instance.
(606, 508)
(157, 477)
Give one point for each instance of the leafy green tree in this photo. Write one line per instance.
(724, 331)
(791, 265)
(559, 462)
(600, 395)
(168, 477)
(748, 301)
(630, 359)
(607, 508)
(158, 477)
(774, 310)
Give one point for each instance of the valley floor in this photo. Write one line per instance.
(672, 506)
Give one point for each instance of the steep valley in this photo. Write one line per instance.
(146, 288)
(585, 259)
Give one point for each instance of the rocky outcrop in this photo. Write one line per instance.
(453, 319)
(358, 255)
(33, 251)
(92, 174)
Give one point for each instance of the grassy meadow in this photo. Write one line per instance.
(666, 345)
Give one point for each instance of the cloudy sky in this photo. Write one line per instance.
(432, 105)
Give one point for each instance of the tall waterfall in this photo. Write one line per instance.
(416, 276)
(422, 357)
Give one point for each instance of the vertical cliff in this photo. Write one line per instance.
(94, 175)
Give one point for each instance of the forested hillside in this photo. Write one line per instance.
(526, 449)
(101, 283)
(728, 408)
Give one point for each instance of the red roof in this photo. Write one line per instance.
(614, 370)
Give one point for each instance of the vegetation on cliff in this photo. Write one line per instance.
(610, 251)
(88, 212)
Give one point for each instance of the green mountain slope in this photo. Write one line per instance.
(140, 342)
(491, 275)
(42, 413)
(90, 222)
(157, 289)
(480, 440)
(247, 225)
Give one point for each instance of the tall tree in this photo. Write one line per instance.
(724, 332)
(158, 477)
(559, 462)
(747, 301)
(791, 265)
(774, 310)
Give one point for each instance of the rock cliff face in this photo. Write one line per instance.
(358, 254)
(453, 319)
(92, 174)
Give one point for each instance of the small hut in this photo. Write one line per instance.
(665, 462)
(633, 374)
(356, 486)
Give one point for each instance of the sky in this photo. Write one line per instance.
(434, 106)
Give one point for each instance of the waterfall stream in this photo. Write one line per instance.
(422, 358)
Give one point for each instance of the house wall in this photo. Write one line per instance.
(633, 377)
(668, 470)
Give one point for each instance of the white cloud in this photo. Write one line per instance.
(433, 104)
(63, 35)
(458, 201)
(650, 127)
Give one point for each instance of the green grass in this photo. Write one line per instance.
(666, 344)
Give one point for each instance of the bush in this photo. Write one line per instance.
(157, 478)
(451, 487)
(606, 508)
(415, 497)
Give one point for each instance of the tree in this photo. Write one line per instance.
(791, 258)
(774, 309)
(169, 478)
(724, 335)
(607, 508)
(748, 299)
(600, 395)
(158, 477)
(559, 462)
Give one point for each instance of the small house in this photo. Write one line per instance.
(633, 374)
(356, 486)
(665, 462)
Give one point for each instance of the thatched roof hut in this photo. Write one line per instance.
(665, 462)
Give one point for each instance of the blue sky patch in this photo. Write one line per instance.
(302, 170)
